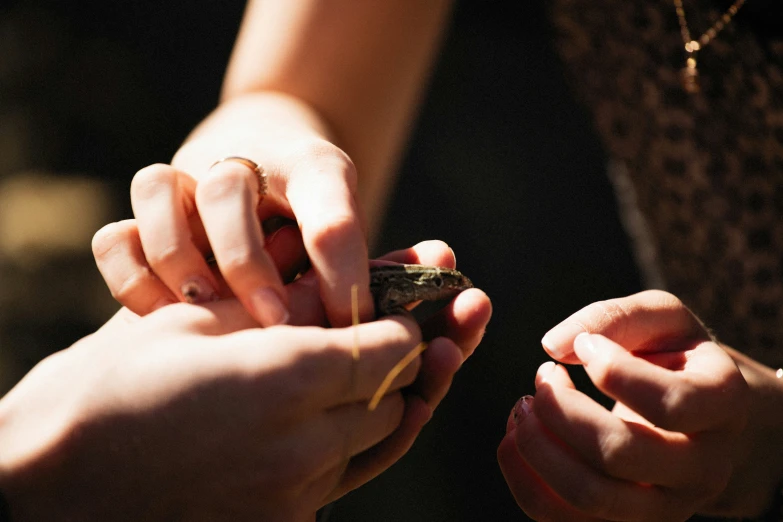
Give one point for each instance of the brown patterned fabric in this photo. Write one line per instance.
(706, 170)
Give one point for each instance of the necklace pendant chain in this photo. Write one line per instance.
(689, 75)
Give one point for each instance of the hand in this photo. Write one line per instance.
(191, 413)
(187, 210)
(669, 447)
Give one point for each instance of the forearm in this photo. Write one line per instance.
(361, 66)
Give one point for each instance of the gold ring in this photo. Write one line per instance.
(252, 165)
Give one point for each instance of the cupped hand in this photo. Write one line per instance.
(193, 413)
(667, 450)
(200, 207)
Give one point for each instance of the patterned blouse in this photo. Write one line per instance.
(699, 176)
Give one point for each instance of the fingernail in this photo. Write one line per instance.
(584, 347)
(198, 290)
(268, 307)
(545, 370)
(453, 255)
(559, 340)
(522, 408)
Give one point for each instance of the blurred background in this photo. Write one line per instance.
(92, 91)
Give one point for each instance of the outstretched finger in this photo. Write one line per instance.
(464, 320)
(227, 199)
(695, 391)
(432, 253)
(642, 321)
(327, 367)
(163, 203)
(121, 261)
(321, 192)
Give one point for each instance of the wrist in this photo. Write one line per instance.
(38, 420)
(755, 484)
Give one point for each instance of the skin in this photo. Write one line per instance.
(325, 111)
(695, 427)
(321, 95)
(195, 413)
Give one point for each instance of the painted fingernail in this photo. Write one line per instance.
(268, 307)
(198, 290)
(522, 408)
(584, 347)
(558, 341)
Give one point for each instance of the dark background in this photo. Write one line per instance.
(500, 166)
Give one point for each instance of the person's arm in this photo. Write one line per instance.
(321, 95)
(361, 66)
(194, 413)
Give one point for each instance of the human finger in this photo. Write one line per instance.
(638, 322)
(286, 248)
(460, 327)
(305, 298)
(334, 435)
(627, 450)
(120, 258)
(464, 320)
(532, 495)
(162, 200)
(700, 391)
(439, 363)
(370, 463)
(431, 253)
(321, 191)
(324, 368)
(584, 488)
(304, 293)
(227, 199)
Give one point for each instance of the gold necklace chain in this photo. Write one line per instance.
(690, 74)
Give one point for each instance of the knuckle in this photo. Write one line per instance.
(715, 478)
(525, 439)
(133, 285)
(150, 180)
(306, 373)
(107, 238)
(675, 402)
(607, 373)
(615, 453)
(167, 256)
(663, 299)
(534, 505)
(585, 498)
(331, 228)
(235, 261)
(613, 315)
(323, 157)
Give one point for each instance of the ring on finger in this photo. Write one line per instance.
(252, 165)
